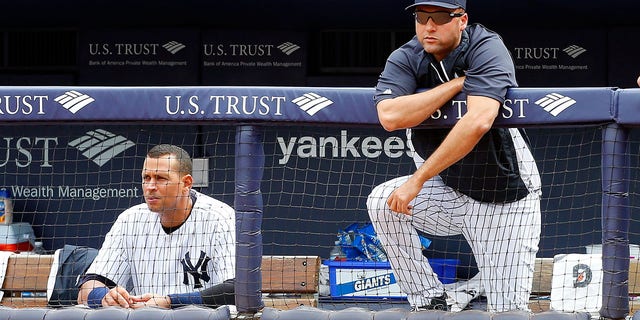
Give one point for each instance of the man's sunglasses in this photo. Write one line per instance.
(438, 17)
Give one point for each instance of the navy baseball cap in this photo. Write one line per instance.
(449, 4)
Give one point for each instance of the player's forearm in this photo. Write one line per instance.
(218, 295)
(462, 138)
(457, 145)
(86, 288)
(411, 110)
(96, 294)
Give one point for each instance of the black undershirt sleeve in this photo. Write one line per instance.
(92, 276)
(220, 294)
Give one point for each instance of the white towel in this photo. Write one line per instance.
(51, 281)
(576, 284)
(4, 262)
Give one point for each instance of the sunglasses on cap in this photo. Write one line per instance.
(438, 17)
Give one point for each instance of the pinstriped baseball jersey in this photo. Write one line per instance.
(197, 255)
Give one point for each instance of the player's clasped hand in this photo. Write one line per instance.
(150, 300)
(118, 296)
(401, 198)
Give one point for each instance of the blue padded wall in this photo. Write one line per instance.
(310, 313)
(116, 313)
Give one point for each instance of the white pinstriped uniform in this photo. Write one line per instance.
(138, 249)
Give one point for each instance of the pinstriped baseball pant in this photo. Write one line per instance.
(503, 237)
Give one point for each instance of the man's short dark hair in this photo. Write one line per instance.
(185, 165)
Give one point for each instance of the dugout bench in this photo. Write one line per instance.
(287, 281)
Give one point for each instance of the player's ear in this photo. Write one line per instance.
(187, 181)
(464, 20)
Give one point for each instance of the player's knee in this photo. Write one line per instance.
(377, 203)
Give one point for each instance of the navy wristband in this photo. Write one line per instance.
(94, 299)
(183, 299)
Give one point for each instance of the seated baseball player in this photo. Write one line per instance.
(175, 249)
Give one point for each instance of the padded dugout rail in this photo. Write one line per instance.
(309, 313)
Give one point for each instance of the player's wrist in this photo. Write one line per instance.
(94, 299)
(183, 299)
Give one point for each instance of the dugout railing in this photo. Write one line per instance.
(251, 109)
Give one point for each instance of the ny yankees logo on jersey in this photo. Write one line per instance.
(190, 269)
